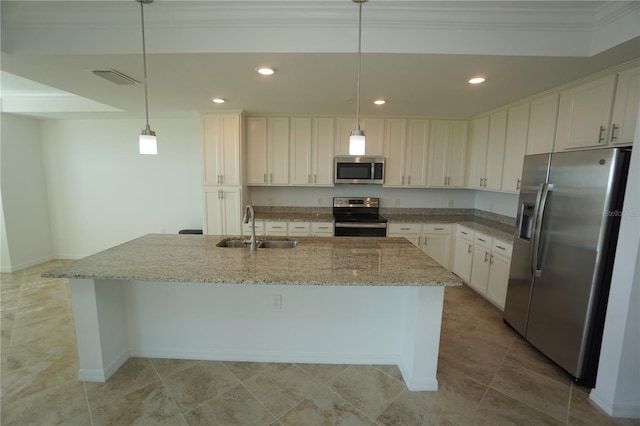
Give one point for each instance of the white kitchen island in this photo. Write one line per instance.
(328, 300)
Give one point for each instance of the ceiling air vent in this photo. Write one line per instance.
(115, 77)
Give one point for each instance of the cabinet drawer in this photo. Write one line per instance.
(246, 228)
(404, 228)
(322, 227)
(500, 247)
(275, 227)
(483, 240)
(464, 232)
(299, 226)
(433, 228)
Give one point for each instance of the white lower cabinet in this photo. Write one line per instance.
(246, 228)
(433, 239)
(322, 229)
(463, 254)
(222, 210)
(299, 229)
(277, 229)
(483, 262)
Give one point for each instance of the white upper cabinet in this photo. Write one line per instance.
(515, 147)
(446, 153)
(221, 149)
(300, 148)
(583, 114)
(542, 124)
(322, 132)
(373, 129)
(625, 107)
(268, 150)
(495, 150)
(394, 152)
(406, 152)
(478, 152)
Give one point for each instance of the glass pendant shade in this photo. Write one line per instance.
(148, 143)
(356, 142)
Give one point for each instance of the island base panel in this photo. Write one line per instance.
(260, 323)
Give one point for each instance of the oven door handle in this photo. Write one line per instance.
(360, 225)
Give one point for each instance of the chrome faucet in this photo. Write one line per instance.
(249, 213)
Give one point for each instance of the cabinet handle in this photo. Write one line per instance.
(518, 184)
(315, 178)
(480, 239)
(469, 251)
(438, 229)
(491, 260)
(408, 180)
(613, 132)
(481, 179)
(485, 182)
(601, 135)
(308, 178)
(486, 256)
(405, 229)
(264, 178)
(270, 177)
(462, 232)
(500, 247)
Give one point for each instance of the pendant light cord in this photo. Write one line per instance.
(359, 64)
(144, 66)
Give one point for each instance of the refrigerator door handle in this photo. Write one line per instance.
(535, 247)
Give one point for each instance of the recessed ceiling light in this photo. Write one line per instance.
(217, 100)
(477, 80)
(379, 102)
(266, 70)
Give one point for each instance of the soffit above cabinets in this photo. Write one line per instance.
(416, 54)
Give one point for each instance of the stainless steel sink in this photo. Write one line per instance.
(246, 243)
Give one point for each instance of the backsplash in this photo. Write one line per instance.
(495, 217)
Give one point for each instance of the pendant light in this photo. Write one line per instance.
(356, 140)
(148, 143)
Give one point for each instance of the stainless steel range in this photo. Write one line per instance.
(358, 217)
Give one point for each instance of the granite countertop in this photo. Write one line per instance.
(337, 261)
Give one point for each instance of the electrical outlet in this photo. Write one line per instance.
(270, 201)
(319, 201)
(491, 207)
(163, 230)
(276, 301)
(450, 203)
(397, 202)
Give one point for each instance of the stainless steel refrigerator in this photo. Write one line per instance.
(564, 246)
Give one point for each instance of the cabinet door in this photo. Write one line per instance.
(625, 108)
(300, 151)
(477, 152)
(278, 150)
(437, 246)
(275, 228)
(498, 280)
(257, 150)
(480, 269)
(463, 258)
(322, 135)
(344, 127)
(221, 150)
(299, 229)
(583, 114)
(395, 141)
(515, 147)
(542, 124)
(415, 155)
(223, 211)
(438, 153)
(374, 135)
(495, 150)
(456, 150)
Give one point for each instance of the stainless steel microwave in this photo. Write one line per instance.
(357, 169)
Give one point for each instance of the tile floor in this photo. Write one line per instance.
(487, 375)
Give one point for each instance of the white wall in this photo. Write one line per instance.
(497, 202)
(389, 197)
(102, 192)
(25, 214)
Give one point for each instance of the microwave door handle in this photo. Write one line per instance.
(536, 270)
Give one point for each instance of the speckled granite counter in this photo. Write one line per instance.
(315, 261)
(328, 300)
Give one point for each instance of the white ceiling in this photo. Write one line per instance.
(416, 54)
